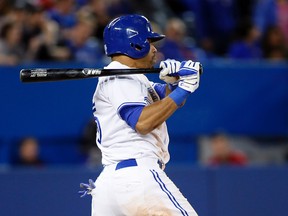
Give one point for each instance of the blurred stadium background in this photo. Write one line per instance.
(243, 95)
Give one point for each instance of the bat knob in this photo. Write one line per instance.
(200, 69)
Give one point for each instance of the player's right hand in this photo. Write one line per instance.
(189, 73)
(169, 72)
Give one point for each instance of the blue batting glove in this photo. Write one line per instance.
(87, 188)
(189, 75)
(169, 72)
(188, 68)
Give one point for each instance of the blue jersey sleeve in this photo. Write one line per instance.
(131, 114)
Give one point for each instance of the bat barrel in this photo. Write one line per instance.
(39, 74)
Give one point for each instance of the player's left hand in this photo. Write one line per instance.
(189, 75)
(169, 72)
(87, 188)
(189, 68)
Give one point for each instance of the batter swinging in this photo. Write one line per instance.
(130, 113)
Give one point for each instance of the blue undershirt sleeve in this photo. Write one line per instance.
(131, 114)
(160, 89)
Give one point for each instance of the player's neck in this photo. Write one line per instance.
(132, 63)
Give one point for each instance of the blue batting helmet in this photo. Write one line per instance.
(129, 35)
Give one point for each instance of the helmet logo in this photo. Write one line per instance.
(131, 33)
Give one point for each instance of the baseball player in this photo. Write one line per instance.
(130, 113)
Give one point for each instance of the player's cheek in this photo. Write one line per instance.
(153, 52)
(153, 49)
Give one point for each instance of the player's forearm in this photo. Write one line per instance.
(168, 90)
(155, 114)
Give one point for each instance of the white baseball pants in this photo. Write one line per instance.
(137, 188)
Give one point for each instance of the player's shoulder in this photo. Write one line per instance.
(118, 65)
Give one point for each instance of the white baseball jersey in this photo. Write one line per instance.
(116, 139)
(132, 182)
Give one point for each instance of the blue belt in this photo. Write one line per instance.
(133, 162)
(126, 163)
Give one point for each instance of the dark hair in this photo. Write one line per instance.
(6, 28)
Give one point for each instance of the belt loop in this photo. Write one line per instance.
(161, 164)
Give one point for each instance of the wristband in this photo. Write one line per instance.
(179, 95)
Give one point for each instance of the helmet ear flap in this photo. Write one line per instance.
(136, 46)
(139, 49)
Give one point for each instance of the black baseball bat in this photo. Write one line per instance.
(57, 74)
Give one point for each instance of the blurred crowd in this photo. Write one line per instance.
(71, 30)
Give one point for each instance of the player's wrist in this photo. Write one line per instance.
(172, 86)
(179, 95)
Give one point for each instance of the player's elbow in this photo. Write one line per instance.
(143, 129)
